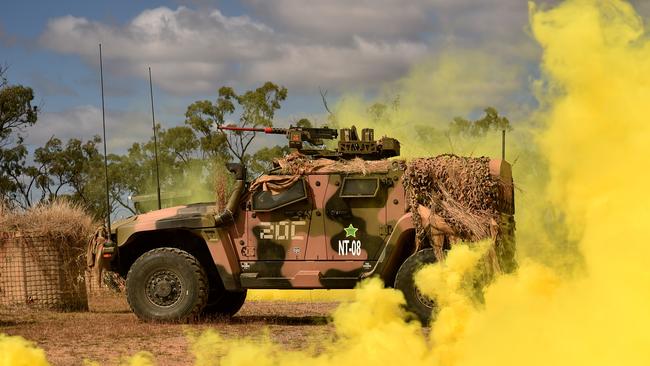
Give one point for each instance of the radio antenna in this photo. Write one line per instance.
(155, 140)
(503, 144)
(108, 200)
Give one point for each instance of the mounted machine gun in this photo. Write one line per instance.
(349, 144)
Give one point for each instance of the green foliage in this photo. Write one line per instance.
(257, 109)
(73, 170)
(16, 113)
(379, 112)
(12, 162)
(480, 127)
(304, 123)
(201, 117)
(262, 160)
(191, 158)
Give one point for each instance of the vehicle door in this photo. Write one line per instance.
(355, 216)
(278, 223)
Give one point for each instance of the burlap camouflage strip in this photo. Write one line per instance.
(456, 197)
(94, 260)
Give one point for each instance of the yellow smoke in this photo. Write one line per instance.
(16, 351)
(419, 107)
(594, 97)
(368, 330)
(140, 359)
(596, 62)
(451, 284)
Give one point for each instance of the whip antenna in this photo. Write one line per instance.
(155, 139)
(503, 144)
(108, 200)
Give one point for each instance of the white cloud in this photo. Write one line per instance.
(188, 50)
(303, 44)
(196, 51)
(343, 19)
(365, 64)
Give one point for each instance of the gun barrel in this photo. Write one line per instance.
(269, 130)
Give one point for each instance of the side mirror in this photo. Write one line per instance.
(238, 170)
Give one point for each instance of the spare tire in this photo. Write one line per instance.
(416, 302)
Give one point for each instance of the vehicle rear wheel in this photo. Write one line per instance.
(417, 303)
(167, 284)
(228, 304)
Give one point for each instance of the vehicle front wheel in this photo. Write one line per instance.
(417, 302)
(167, 284)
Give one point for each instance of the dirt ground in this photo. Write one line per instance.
(110, 331)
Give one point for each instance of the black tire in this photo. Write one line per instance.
(167, 284)
(417, 303)
(228, 304)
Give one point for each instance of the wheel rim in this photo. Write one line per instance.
(163, 288)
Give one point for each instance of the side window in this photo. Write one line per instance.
(359, 187)
(264, 201)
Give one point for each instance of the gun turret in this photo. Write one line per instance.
(366, 147)
(296, 135)
(349, 146)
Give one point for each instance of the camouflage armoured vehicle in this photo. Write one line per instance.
(320, 220)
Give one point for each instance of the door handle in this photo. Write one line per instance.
(338, 213)
(296, 213)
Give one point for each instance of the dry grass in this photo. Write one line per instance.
(60, 220)
(110, 331)
(46, 252)
(5, 214)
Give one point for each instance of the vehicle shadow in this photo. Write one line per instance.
(268, 319)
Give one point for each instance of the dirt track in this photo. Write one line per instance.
(110, 331)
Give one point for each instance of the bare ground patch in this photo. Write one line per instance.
(110, 331)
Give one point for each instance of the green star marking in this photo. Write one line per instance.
(350, 231)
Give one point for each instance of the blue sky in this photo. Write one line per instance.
(194, 47)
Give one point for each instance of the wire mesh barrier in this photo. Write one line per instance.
(38, 271)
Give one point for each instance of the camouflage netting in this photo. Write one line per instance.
(42, 256)
(292, 166)
(453, 197)
(298, 164)
(99, 280)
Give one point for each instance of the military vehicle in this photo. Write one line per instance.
(326, 220)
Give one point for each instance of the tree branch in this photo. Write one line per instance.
(323, 96)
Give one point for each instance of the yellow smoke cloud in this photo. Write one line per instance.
(420, 106)
(594, 97)
(16, 351)
(368, 330)
(595, 63)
